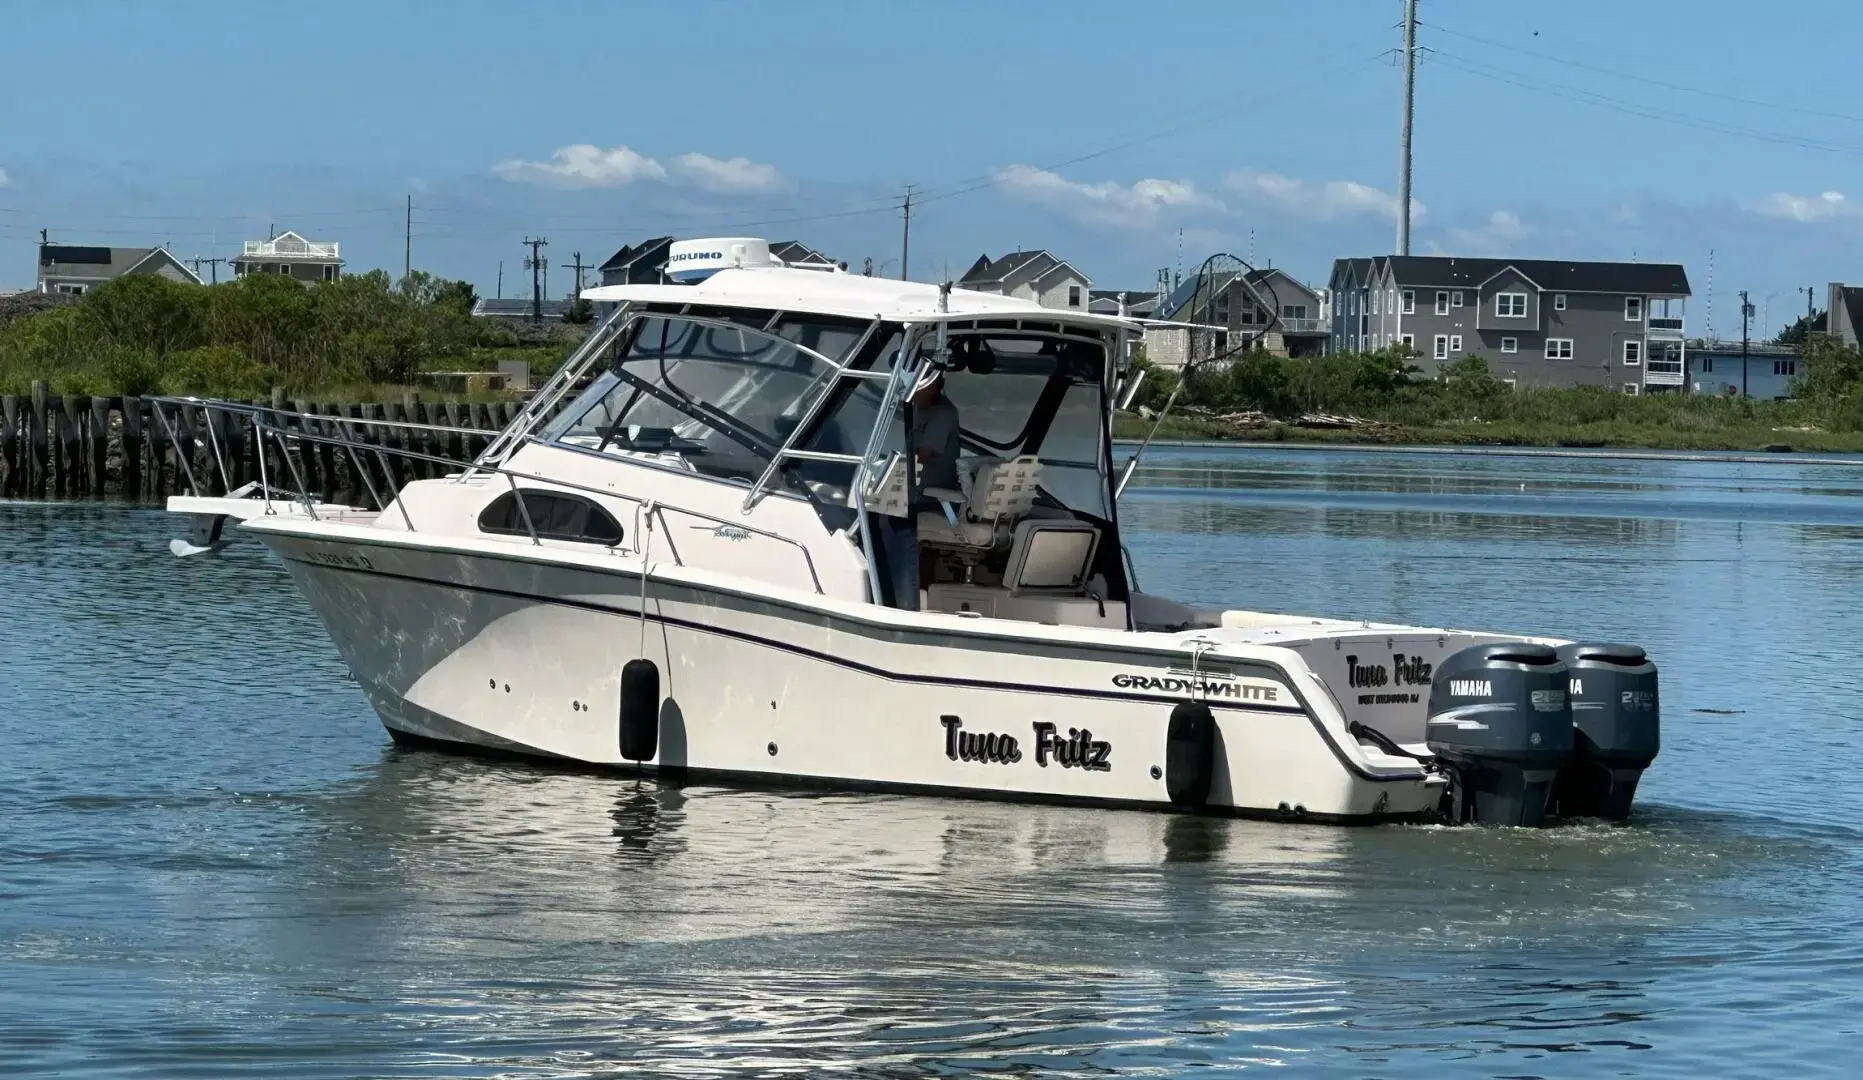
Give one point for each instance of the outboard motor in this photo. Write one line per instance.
(1498, 716)
(1615, 714)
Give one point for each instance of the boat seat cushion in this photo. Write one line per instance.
(1004, 489)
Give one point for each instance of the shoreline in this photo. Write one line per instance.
(1607, 453)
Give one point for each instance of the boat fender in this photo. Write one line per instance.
(1190, 754)
(640, 710)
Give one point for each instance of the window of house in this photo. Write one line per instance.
(1455, 298)
(1558, 348)
(329, 273)
(1633, 352)
(554, 515)
(1293, 311)
(1558, 301)
(1510, 305)
(1510, 345)
(1785, 367)
(1455, 342)
(69, 290)
(1410, 301)
(1633, 309)
(1390, 301)
(1442, 302)
(1707, 364)
(1632, 389)
(1440, 348)
(1073, 296)
(1409, 340)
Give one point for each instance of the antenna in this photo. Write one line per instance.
(535, 263)
(1710, 326)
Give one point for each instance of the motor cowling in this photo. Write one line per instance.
(1616, 720)
(1499, 717)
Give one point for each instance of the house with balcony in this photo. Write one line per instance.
(1541, 322)
(1228, 309)
(74, 270)
(291, 255)
(1037, 276)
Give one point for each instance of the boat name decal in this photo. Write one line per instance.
(725, 532)
(1206, 684)
(1404, 671)
(1078, 749)
(960, 745)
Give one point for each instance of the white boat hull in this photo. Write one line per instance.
(504, 652)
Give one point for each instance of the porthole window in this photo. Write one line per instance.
(555, 515)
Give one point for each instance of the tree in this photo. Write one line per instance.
(1801, 329)
(147, 312)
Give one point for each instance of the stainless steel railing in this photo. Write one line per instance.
(346, 432)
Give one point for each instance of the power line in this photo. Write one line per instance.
(1648, 112)
(1647, 81)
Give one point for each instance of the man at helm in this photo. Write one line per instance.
(934, 431)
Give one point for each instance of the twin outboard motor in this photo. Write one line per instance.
(1532, 731)
(1616, 714)
(1499, 716)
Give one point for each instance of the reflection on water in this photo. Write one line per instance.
(215, 864)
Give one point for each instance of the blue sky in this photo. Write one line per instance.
(1654, 129)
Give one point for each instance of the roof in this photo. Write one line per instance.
(104, 263)
(795, 253)
(630, 254)
(517, 308)
(1137, 301)
(1552, 275)
(1185, 292)
(848, 295)
(1852, 299)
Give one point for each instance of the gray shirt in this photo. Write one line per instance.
(934, 429)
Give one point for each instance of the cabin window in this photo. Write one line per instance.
(554, 515)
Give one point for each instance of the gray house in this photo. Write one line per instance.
(1037, 276)
(637, 264)
(1538, 321)
(291, 255)
(1720, 368)
(74, 270)
(1228, 306)
(1844, 313)
(797, 254)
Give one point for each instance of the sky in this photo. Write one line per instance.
(1125, 138)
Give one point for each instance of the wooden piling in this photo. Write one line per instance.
(159, 445)
(98, 433)
(10, 456)
(132, 448)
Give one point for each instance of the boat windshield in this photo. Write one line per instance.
(1039, 396)
(717, 400)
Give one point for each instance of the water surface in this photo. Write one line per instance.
(214, 864)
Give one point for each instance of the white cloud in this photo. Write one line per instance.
(583, 165)
(729, 175)
(1496, 235)
(1106, 203)
(1324, 201)
(1820, 207)
(4, 178)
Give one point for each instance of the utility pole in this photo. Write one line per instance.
(1810, 312)
(213, 267)
(1403, 150)
(1746, 310)
(535, 262)
(580, 266)
(501, 279)
(905, 235)
(407, 242)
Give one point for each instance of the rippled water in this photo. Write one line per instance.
(212, 862)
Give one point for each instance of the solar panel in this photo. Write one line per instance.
(60, 253)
